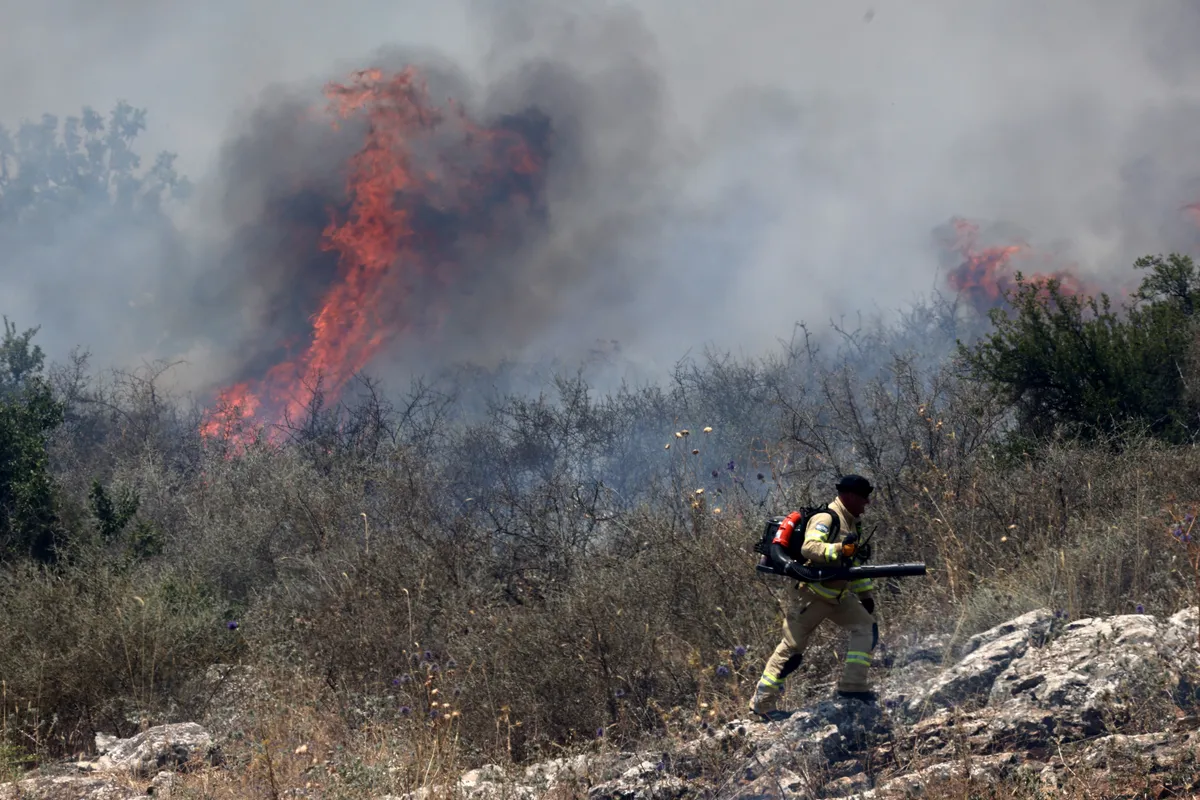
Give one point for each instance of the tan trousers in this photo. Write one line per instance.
(803, 612)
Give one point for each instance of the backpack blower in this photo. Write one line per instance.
(813, 574)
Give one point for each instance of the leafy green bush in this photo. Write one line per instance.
(29, 411)
(1072, 362)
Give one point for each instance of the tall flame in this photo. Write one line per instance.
(415, 158)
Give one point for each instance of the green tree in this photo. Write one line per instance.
(111, 516)
(1174, 281)
(76, 200)
(51, 170)
(19, 359)
(28, 413)
(1075, 363)
(117, 523)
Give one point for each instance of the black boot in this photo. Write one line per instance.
(865, 697)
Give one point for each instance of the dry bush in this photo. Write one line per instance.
(565, 569)
(528, 665)
(97, 648)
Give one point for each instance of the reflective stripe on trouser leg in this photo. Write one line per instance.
(851, 615)
(858, 657)
(800, 620)
(769, 683)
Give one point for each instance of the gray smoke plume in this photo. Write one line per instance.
(715, 172)
(520, 257)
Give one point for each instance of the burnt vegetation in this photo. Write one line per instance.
(559, 564)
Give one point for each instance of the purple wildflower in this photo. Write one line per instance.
(722, 671)
(1139, 609)
(452, 664)
(405, 711)
(619, 693)
(427, 655)
(760, 476)
(660, 766)
(1188, 519)
(232, 625)
(599, 733)
(406, 678)
(731, 466)
(739, 651)
(714, 473)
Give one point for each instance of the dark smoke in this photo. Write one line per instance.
(716, 172)
(257, 293)
(523, 251)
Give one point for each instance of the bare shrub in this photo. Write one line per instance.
(470, 575)
(99, 649)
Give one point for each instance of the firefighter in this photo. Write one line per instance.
(831, 537)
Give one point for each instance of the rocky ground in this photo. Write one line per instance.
(1036, 703)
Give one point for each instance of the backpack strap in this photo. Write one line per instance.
(835, 526)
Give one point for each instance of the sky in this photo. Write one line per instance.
(734, 168)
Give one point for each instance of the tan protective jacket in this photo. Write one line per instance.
(821, 547)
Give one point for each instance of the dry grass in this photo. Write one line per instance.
(427, 591)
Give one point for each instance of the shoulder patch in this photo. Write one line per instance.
(822, 527)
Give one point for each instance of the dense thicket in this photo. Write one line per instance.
(1076, 363)
(560, 560)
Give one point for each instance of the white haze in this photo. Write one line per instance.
(809, 147)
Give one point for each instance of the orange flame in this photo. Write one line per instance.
(381, 253)
(986, 275)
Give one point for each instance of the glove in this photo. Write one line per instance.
(868, 604)
(848, 549)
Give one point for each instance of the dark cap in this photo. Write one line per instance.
(855, 484)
